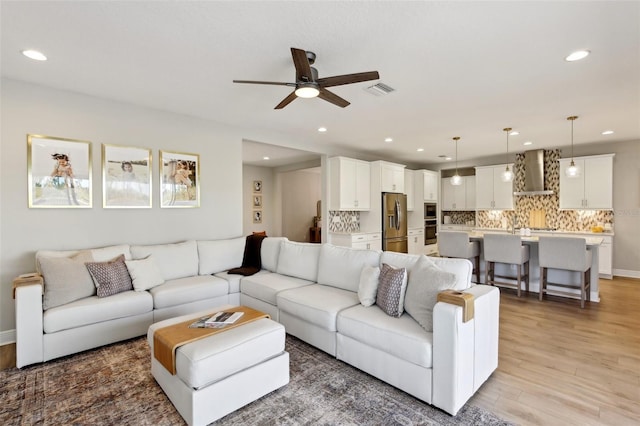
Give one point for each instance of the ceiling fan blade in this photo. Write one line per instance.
(339, 80)
(333, 98)
(301, 62)
(286, 101)
(275, 83)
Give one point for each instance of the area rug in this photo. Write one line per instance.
(113, 385)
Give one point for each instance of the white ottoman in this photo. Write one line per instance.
(218, 374)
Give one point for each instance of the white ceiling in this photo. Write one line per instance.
(459, 68)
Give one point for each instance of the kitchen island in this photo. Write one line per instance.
(553, 275)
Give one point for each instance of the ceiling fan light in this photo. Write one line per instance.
(307, 91)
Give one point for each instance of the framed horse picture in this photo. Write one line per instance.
(179, 180)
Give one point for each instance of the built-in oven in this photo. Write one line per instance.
(430, 223)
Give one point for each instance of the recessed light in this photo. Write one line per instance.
(322, 129)
(527, 143)
(447, 158)
(420, 149)
(388, 140)
(607, 132)
(265, 158)
(514, 133)
(34, 54)
(577, 55)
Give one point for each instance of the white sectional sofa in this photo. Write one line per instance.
(311, 289)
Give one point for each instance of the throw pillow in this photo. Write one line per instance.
(368, 286)
(426, 280)
(66, 279)
(144, 273)
(110, 277)
(391, 288)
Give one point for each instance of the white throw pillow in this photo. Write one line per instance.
(145, 274)
(368, 286)
(426, 280)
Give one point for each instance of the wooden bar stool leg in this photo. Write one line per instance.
(519, 283)
(583, 284)
(486, 273)
(526, 277)
(477, 265)
(543, 282)
(588, 277)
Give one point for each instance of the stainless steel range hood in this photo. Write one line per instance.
(534, 174)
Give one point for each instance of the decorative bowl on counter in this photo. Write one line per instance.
(597, 229)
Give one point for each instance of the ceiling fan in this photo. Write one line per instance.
(308, 85)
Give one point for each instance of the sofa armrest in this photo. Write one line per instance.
(464, 353)
(29, 327)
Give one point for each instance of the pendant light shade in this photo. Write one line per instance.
(456, 180)
(572, 171)
(507, 175)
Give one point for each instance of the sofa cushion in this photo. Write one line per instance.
(97, 254)
(92, 310)
(267, 285)
(220, 255)
(110, 277)
(299, 260)
(398, 260)
(426, 280)
(392, 286)
(270, 251)
(341, 266)
(317, 304)
(66, 279)
(145, 273)
(462, 268)
(234, 279)
(177, 260)
(402, 337)
(368, 286)
(187, 290)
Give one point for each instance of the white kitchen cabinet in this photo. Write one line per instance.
(593, 188)
(430, 185)
(605, 257)
(491, 192)
(409, 189)
(458, 197)
(359, 240)
(415, 243)
(392, 177)
(350, 182)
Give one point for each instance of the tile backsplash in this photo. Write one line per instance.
(346, 221)
(568, 220)
(459, 217)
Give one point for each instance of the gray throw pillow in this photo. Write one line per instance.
(66, 279)
(110, 277)
(391, 288)
(426, 280)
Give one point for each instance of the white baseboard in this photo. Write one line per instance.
(7, 337)
(626, 273)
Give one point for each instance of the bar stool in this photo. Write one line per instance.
(457, 244)
(502, 248)
(569, 254)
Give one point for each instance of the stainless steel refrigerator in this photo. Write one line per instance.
(394, 222)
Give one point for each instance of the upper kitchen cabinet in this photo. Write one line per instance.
(491, 192)
(458, 197)
(430, 185)
(409, 189)
(350, 184)
(593, 188)
(391, 175)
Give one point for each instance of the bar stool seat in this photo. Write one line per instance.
(456, 244)
(568, 254)
(508, 249)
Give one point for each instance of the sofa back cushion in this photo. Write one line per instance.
(220, 255)
(270, 252)
(341, 266)
(399, 260)
(102, 254)
(177, 260)
(462, 268)
(299, 260)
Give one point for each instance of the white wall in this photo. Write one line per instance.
(269, 218)
(39, 110)
(301, 190)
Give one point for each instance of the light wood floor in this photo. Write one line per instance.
(562, 365)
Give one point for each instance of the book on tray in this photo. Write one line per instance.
(217, 320)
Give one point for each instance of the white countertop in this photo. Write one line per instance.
(477, 235)
(544, 232)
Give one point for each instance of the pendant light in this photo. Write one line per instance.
(507, 175)
(456, 180)
(572, 171)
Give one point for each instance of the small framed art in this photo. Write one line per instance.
(179, 180)
(59, 172)
(126, 177)
(257, 201)
(257, 216)
(257, 186)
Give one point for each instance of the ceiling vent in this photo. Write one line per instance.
(380, 89)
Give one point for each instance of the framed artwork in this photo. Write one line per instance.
(59, 172)
(126, 177)
(257, 201)
(257, 186)
(257, 216)
(179, 180)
